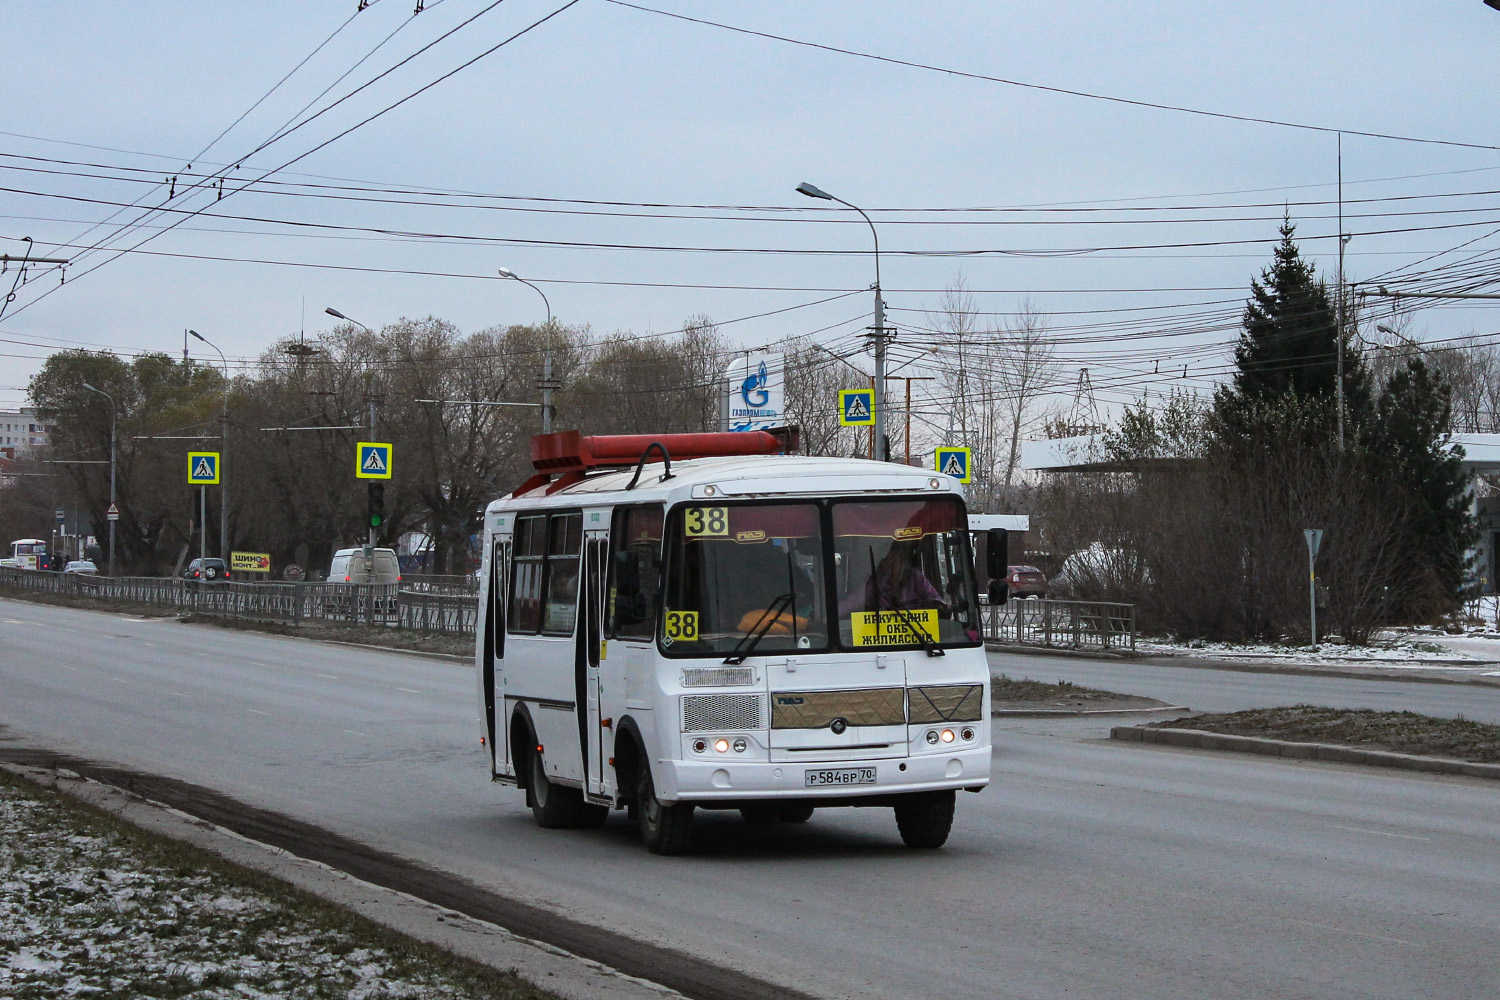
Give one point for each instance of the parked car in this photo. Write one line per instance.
(1026, 581)
(84, 566)
(348, 566)
(206, 569)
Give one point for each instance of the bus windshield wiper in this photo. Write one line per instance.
(926, 640)
(758, 631)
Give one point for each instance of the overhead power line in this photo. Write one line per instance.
(927, 67)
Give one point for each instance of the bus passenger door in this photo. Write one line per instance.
(591, 634)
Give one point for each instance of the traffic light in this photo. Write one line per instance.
(377, 504)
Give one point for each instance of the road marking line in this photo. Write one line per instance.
(120, 679)
(356, 732)
(1378, 833)
(409, 690)
(254, 711)
(328, 677)
(176, 694)
(1363, 934)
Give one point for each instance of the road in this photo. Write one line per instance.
(1205, 689)
(1089, 868)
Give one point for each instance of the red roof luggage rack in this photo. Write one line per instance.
(575, 456)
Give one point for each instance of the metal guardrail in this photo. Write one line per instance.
(440, 583)
(284, 603)
(1061, 624)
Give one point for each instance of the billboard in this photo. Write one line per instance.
(755, 396)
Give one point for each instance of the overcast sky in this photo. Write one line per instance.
(606, 103)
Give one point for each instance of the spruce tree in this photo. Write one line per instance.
(1289, 343)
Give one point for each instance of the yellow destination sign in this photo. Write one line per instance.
(250, 562)
(888, 628)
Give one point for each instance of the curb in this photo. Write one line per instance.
(1047, 713)
(1202, 740)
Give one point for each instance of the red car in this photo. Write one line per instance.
(1026, 581)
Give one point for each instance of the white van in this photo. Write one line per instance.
(349, 566)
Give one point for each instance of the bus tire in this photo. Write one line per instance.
(924, 818)
(796, 812)
(554, 806)
(665, 829)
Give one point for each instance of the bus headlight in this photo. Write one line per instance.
(932, 736)
(699, 746)
(721, 745)
(947, 736)
(740, 745)
(967, 734)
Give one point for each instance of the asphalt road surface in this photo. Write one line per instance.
(1089, 868)
(1205, 689)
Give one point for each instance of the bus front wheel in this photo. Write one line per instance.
(924, 818)
(665, 829)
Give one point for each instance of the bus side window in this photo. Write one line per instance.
(564, 543)
(498, 567)
(634, 571)
(528, 554)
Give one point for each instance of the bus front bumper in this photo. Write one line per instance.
(708, 781)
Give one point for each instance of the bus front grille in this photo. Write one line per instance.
(859, 707)
(709, 712)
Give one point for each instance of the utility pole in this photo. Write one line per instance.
(374, 402)
(223, 448)
(908, 379)
(547, 384)
(1340, 310)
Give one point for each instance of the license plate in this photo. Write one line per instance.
(841, 776)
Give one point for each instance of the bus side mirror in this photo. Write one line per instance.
(997, 563)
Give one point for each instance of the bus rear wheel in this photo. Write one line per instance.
(557, 806)
(665, 829)
(925, 818)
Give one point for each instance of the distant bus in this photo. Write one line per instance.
(731, 629)
(27, 553)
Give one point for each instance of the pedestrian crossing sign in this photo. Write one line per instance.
(955, 462)
(373, 460)
(203, 468)
(857, 407)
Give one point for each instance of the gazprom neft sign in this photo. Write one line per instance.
(755, 397)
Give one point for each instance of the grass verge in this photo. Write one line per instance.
(1397, 732)
(1008, 689)
(90, 906)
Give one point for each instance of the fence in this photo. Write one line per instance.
(1067, 624)
(285, 603)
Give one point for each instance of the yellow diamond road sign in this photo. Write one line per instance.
(955, 462)
(203, 468)
(373, 460)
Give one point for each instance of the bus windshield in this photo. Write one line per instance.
(757, 577)
(746, 573)
(902, 573)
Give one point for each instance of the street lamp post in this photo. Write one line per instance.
(374, 402)
(111, 471)
(883, 445)
(547, 383)
(223, 452)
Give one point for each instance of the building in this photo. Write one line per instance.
(22, 429)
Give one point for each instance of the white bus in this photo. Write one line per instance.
(726, 627)
(26, 553)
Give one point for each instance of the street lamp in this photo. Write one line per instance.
(111, 471)
(348, 319)
(813, 191)
(223, 451)
(547, 383)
